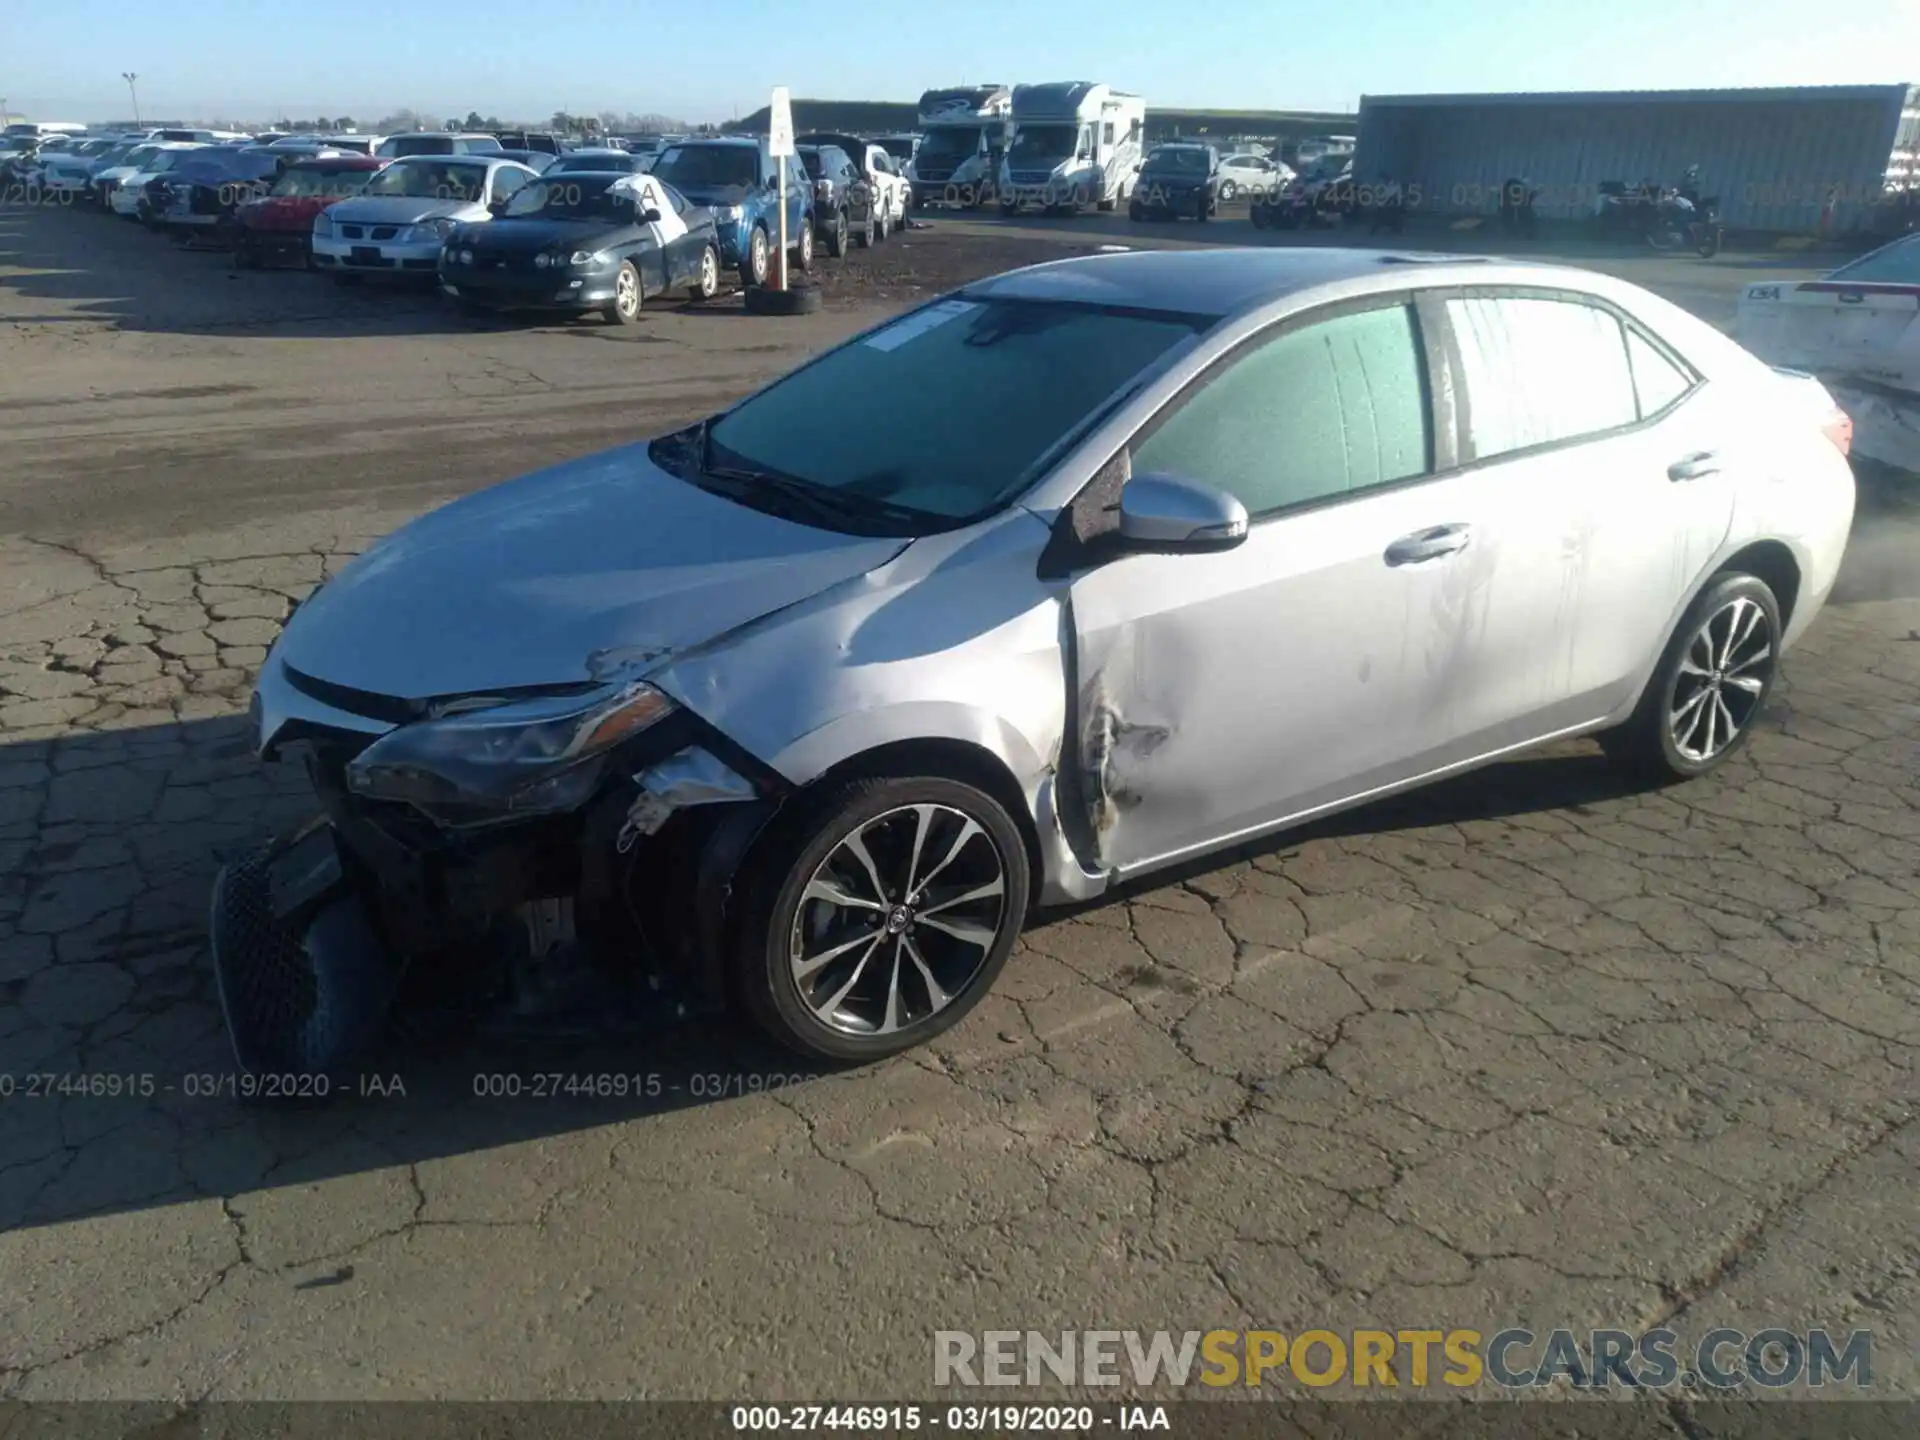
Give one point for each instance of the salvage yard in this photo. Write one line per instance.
(1532, 1048)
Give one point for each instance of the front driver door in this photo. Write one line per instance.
(1220, 694)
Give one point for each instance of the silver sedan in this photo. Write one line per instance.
(1125, 560)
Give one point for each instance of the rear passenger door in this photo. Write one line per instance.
(1558, 420)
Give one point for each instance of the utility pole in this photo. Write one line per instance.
(133, 94)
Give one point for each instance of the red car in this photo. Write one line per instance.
(279, 225)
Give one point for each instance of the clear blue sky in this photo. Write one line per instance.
(255, 59)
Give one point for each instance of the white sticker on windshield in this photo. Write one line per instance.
(919, 323)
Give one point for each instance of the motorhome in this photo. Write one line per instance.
(1075, 143)
(963, 138)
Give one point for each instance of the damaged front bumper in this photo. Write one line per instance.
(318, 935)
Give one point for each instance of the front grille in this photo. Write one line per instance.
(1032, 177)
(937, 176)
(388, 709)
(352, 232)
(385, 232)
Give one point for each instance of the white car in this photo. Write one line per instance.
(1251, 174)
(1858, 330)
(108, 178)
(65, 175)
(127, 195)
(398, 221)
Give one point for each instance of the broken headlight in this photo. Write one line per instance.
(506, 757)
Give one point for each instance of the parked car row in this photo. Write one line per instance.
(599, 229)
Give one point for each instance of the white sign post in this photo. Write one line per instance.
(780, 146)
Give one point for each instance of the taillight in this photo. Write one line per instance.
(1838, 427)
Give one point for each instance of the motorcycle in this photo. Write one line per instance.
(1683, 221)
(1667, 218)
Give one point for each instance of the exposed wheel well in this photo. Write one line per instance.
(1772, 562)
(951, 760)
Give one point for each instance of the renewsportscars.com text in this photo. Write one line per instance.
(1511, 1359)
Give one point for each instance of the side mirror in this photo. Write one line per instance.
(496, 207)
(650, 216)
(1167, 513)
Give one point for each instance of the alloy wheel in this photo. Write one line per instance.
(626, 292)
(898, 920)
(1723, 674)
(709, 273)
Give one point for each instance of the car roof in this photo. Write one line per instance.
(738, 141)
(1222, 282)
(347, 161)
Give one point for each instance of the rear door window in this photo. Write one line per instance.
(1657, 381)
(1536, 371)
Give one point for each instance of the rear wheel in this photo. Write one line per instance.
(838, 237)
(883, 227)
(803, 245)
(1712, 679)
(879, 916)
(864, 236)
(706, 277)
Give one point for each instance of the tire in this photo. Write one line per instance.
(758, 260)
(1009, 208)
(629, 295)
(1202, 208)
(706, 283)
(803, 246)
(1665, 739)
(244, 258)
(838, 238)
(864, 236)
(1259, 216)
(1134, 213)
(1227, 191)
(794, 300)
(1709, 245)
(883, 230)
(876, 995)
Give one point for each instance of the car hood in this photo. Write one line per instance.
(403, 210)
(557, 577)
(718, 196)
(528, 236)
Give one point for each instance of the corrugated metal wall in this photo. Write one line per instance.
(1771, 162)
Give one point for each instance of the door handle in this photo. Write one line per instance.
(1692, 467)
(1428, 544)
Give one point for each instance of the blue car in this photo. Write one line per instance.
(739, 181)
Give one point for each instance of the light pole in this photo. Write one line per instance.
(134, 95)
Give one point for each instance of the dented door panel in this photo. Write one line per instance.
(1217, 695)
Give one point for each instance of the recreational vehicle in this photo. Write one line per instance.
(963, 139)
(1075, 143)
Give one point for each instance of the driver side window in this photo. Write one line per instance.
(505, 182)
(1319, 411)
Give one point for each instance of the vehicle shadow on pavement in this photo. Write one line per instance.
(117, 1084)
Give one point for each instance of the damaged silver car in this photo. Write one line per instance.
(1131, 558)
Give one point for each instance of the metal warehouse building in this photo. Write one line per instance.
(1774, 157)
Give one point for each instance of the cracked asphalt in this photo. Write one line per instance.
(1532, 1048)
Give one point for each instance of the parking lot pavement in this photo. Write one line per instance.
(1530, 1048)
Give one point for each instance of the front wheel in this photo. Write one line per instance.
(628, 295)
(1704, 695)
(1709, 244)
(837, 237)
(803, 246)
(1227, 190)
(879, 916)
(882, 228)
(759, 256)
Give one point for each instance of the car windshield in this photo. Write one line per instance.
(694, 167)
(1895, 264)
(898, 147)
(1042, 142)
(140, 155)
(949, 143)
(167, 159)
(583, 197)
(318, 180)
(1178, 160)
(430, 180)
(963, 403)
(811, 159)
